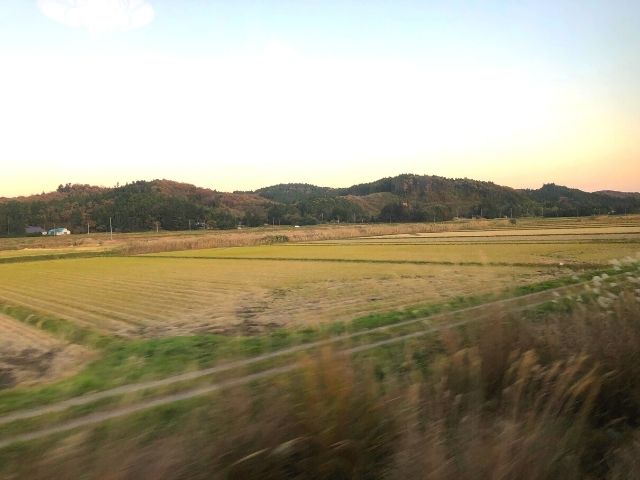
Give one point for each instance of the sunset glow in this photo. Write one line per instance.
(239, 97)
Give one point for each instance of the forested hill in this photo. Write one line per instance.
(566, 201)
(171, 205)
(136, 206)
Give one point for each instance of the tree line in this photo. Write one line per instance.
(162, 204)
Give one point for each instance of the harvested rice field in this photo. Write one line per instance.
(142, 297)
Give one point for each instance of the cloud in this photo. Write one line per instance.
(99, 16)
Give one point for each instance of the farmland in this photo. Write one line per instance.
(94, 318)
(143, 297)
(259, 288)
(28, 355)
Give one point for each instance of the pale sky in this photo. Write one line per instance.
(239, 94)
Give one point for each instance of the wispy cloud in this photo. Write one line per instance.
(99, 16)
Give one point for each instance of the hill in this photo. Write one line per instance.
(293, 192)
(613, 193)
(137, 206)
(170, 205)
(564, 201)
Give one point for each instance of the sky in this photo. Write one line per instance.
(236, 95)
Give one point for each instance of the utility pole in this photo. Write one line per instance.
(110, 229)
(87, 229)
(189, 225)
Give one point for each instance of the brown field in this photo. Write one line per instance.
(28, 355)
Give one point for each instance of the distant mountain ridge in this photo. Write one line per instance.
(145, 205)
(613, 193)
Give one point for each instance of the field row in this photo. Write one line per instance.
(542, 254)
(28, 355)
(584, 232)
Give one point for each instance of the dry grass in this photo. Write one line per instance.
(263, 236)
(152, 242)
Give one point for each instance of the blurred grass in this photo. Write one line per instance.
(545, 398)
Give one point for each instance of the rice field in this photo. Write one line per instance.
(246, 290)
(142, 297)
(486, 254)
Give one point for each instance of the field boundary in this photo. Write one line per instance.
(375, 261)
